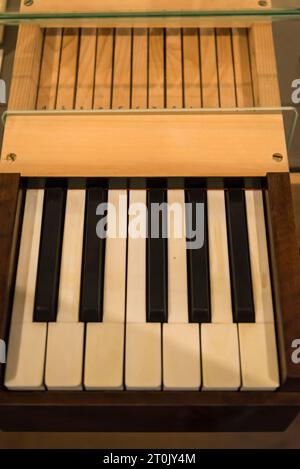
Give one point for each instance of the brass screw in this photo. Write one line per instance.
(262, 3)
(11, 157)
(278, 157)
(28, 3)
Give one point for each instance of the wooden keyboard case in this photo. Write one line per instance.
(153, 411)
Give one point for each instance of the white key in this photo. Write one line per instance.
(219, 340)
(143, 356)
(181, 357)
(115, 258)
(104, 357)
(259, 360)
(181, 341)
(220, 357)
(218, 258)
(64, 359)
(136, 274)
(143, 340)
(27, 340)
(177, 259)
(64, 356)
(71, 259)
(26, 357)
(258, 357)
(261, 283)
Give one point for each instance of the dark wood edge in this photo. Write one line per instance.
(10, 215)
(147, 411)
(285, 272)
(118, 399)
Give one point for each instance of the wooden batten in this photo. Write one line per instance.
(286, 274)
(24, 85)
(144, 145)
(264, 67)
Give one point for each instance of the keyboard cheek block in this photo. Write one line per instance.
(180, 385)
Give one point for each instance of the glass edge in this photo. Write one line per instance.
(280, 13)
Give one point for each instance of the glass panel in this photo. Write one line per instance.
(286, 35)
(134, 11)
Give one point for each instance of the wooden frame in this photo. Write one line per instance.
(286, 273)
(153, 411)
(102, 138)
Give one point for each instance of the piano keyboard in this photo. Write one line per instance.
(132, 313)
(142, 313)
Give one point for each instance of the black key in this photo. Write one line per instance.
(157, 252)
(46, 297)
(92, 280)
(198, 261)
(240, 269)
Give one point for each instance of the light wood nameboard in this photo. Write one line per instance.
(59, 6)
(144, 145)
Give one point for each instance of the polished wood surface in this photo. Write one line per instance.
(189, 440)
(286, 273)
(10, 211)
(148, 411)
(295, 180)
